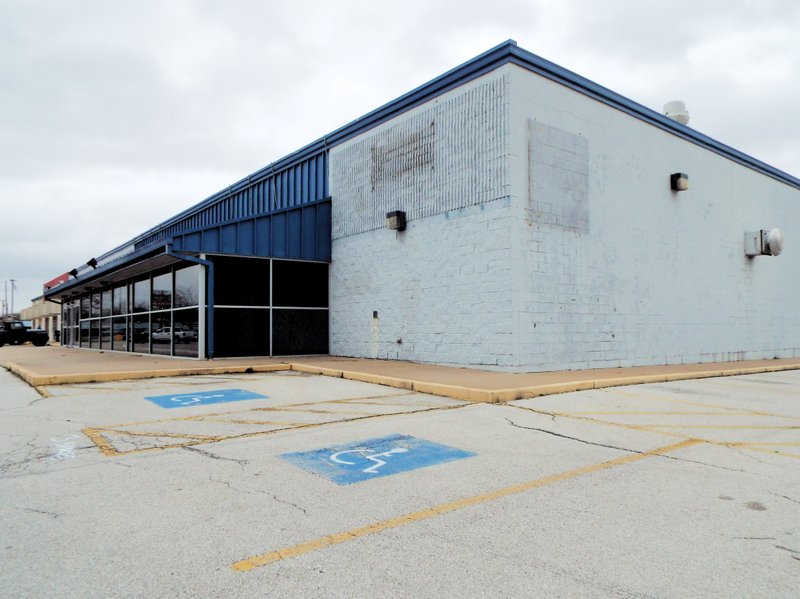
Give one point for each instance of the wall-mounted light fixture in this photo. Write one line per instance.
(396, 221)
(92, 262)
(74, 272)
(763, 242)
(679, 181)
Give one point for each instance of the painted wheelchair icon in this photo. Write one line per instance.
(374, 458)
(366, 455)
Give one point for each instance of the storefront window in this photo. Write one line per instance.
(162, 292)
(141, 295)
(105, 303)
(161, 332)
(186, 332)
(120, 300)
(119, 334)
(187, 286)
(140, 333)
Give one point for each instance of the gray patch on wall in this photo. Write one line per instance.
(400, 153)
(558, 178)
(449, 154)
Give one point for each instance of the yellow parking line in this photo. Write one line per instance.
(722, 426)
(646, 396)
(157, 434)
(265, 422)
(293, 411)
(773, 452)
(350, 535)
(645, 413)
(96, 437)
(767, 444)
(95, 434)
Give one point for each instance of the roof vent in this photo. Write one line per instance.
(676, 110)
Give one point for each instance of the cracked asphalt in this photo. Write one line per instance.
(665, 490)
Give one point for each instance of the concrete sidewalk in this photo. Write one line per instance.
(43, 366)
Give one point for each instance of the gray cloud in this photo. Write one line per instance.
(114, 116)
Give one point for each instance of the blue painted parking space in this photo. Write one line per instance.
(373, 458)
(201, 398)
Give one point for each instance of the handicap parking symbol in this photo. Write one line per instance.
(201, 398)
(374, 458)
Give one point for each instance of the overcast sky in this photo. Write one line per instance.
(117, 115)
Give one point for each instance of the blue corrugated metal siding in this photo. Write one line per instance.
(301, 232)
(302, 176)
(266, 193)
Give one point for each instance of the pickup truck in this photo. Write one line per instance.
(182, 335)
(15, 332)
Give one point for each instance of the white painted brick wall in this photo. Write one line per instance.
(442, 286)
(651, 276)
(543, 235)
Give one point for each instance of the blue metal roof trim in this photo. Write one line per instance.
(471, 69)
(103, 269)
(507, 52)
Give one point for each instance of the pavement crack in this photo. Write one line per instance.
(213, 456)
(787, 549)
(35, 511)
(754, 538)
(745, 454)
(784, 497)
(667, 457)
(258, 492)
(542, 430)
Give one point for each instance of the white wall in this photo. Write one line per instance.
(443, 285)
(615, 269)
(543, 235)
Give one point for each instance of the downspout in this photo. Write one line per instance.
(210, 299)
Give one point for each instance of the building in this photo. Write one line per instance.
(44, 314)
(540, 222)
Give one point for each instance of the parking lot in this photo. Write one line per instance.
(290, 484)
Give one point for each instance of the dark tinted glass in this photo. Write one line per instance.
(94, 334)
(85, 333)
(105, 303)
(299, 284)
(85, 310)
(161, 333)
(140, 333)
(241, 332)
(95, 304)
(187, 286)
(119, 332)
(185, 334)
(162, 292)
(241, 281)
(299, 332)
(105, 333)
(141, 296)
(121, 300)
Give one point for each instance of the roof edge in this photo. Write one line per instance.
(554, 72)
(502, 54)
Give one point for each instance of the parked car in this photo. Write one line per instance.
(182, 335)
(16, 332)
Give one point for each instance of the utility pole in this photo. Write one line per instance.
(13, 286)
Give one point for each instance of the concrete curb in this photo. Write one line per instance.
(470, 394)
(104, 377)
